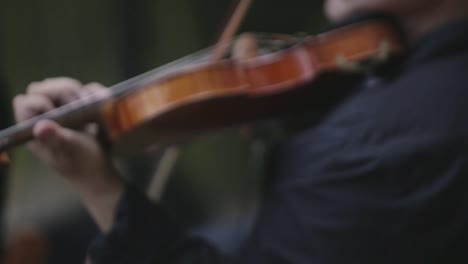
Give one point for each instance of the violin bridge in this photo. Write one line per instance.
(346, 65)
(381, 55)
(384, 52)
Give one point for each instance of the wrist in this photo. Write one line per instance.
(101, 198)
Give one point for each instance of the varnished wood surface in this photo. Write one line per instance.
(228, 91)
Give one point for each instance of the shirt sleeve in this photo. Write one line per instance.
(395, 200)
(145, 233)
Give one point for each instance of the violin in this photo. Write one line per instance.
(206, 91)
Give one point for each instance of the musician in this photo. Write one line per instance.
(381, 179)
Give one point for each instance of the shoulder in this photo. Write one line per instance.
(432, 96)
(430, 100)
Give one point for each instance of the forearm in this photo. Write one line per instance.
(101, 199)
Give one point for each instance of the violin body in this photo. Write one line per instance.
(216, 94)
(210, 94)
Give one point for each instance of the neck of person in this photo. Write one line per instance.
(418, 24)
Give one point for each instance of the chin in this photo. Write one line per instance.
(338, 10)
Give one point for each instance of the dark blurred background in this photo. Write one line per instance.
(216, 178)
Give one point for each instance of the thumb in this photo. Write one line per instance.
(64, 149)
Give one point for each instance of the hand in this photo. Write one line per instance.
(74, 154)
(245, 47)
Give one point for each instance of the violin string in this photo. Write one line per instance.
(134, 83)
(157, 73)
(76, 109)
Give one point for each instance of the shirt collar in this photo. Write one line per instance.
(449, 39)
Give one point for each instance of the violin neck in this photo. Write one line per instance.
(72, 115)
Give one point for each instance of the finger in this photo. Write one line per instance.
(94, 87)
(28, 106)
(94, 90)
(52, 134)
(91, 129)
(61, 147)
(46, 133)
(245, 47)
(60, 90)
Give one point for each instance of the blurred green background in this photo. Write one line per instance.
(110, 41)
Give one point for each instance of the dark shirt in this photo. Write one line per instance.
(383, 178)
